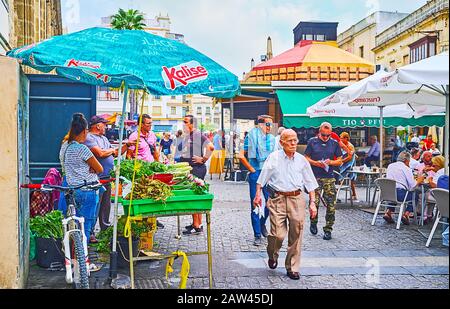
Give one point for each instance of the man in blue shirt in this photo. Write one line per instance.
(374, 152)
(217, 140)
(324, 154)
(258, 144)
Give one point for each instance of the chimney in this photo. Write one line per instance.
(269, 48)
(252, 64)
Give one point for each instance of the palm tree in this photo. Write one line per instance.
(129, 20)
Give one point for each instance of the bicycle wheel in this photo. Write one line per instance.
(79, 268)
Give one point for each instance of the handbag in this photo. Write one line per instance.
(40, 203)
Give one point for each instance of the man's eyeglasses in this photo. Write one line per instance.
(269, 124)
(325, 135)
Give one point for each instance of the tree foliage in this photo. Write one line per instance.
(130, 20)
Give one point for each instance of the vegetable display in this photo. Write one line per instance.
(179, 170)
(193, 183)
(48, 226)
(147, 188)
(143, 168)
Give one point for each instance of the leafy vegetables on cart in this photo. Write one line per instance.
(147, 188)
(190, 182)
(143, 168)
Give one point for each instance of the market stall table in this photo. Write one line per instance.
(184, 202)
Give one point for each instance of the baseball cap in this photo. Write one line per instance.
(335, 137)
(97, 119)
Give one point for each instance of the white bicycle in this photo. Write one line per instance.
(74, 242)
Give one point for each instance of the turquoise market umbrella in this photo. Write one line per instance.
(133, 58)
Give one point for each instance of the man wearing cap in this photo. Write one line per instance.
(97, 142)
(324, 154)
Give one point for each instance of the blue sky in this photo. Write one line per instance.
(233, 31)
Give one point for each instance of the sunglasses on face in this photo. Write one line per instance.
(325, 135)
(269, 124)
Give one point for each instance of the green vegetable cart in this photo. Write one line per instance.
(183, 202)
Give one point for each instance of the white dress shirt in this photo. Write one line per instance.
(401, 173)
(414, 164)
(286, 174)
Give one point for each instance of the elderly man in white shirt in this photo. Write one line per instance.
(286, 174)
(403, 175)
(414, 164)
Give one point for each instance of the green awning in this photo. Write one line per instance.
(295, 102)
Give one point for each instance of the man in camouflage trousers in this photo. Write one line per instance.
(324, 154)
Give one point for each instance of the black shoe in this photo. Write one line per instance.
(272, 264)
(193, 231)
(293, 275)
(159, 224)
(313, 228)
(327, 235)
(189, 227)
(264, 231)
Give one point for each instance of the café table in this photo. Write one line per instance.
(368, 174)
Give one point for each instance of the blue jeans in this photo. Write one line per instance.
(62, 206)
(257, 223)
(87, 202)
(401, 196)
(368, 160)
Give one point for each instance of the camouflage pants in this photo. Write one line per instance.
(329, 196)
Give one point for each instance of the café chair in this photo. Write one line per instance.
(442, 200)
(388, 198)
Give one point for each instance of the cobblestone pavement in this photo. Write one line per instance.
(358, 256)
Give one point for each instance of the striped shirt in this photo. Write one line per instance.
(75, 165)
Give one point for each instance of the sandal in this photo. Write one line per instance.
(388, 219)
(405, 220)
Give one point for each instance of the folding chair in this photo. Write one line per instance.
(388, 198)
(441, 197)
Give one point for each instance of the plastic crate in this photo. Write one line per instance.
(182, 201)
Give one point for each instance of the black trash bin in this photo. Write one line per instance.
(49, 252)
(123, 256)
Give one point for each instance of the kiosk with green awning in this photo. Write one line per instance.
(294, 102)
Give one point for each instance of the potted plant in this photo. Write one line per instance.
(48, 231)
(104, 238)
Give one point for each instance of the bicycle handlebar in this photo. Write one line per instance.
(47, 186)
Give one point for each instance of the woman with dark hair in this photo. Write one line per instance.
(80, 165)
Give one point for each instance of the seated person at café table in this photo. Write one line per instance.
(438, 164)
(434, 150)
(426, 143)
(374, 152)
(425, 165)
(402, 174)
(415, 158)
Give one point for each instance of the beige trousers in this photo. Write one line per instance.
(283, 209)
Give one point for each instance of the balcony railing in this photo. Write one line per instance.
(415, 18)
(107, 95)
